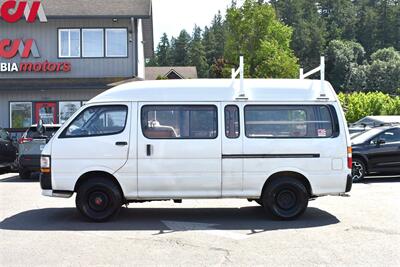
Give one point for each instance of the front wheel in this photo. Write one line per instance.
(358, 171)
(285, 198)
(98, 199)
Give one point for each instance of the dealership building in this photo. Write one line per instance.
(57, 55)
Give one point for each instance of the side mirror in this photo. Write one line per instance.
(380, 142)
(40, 127)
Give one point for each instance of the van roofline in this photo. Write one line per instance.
(213, 90)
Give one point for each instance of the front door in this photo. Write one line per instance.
(179, 150)
(385, 157)
(46, 111)
(96, 140)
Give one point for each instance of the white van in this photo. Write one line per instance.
(280, 144)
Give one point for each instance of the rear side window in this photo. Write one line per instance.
(272, 121)
(97, 121)
(179, 122)
(232, 125)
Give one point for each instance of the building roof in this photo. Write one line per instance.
(203, 90)
(152, 73)
(60, 84)
(97, 8)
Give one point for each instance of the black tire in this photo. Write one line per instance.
(259, 202)
(98, 199)
(285, 198)
(24, 174)
(358, 170)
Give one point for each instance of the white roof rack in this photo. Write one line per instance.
(321, 69)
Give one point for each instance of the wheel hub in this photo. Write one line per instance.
(286, 199)
(98, 201)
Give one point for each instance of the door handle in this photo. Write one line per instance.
(121, 143)
(148, 150)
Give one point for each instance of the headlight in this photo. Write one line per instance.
(45, 164)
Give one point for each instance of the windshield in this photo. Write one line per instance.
(364, 137)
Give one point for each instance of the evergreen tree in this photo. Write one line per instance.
(308, 41)
(180, 49)
(197, 53)
(163, 52)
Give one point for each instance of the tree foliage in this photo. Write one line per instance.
(253, 31)
(358, 105)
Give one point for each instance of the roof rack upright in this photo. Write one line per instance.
(235, 73)
(321, 69)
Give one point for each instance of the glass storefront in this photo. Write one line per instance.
(24, 114)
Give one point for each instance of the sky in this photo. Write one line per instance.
(171, 16)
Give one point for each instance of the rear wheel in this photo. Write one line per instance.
(24, 174)
(98, 199)
(285, 198)
(358, 170)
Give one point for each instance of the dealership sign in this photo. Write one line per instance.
(12, 11)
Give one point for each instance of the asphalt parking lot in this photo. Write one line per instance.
(363, 229)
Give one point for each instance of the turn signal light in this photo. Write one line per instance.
(349, 157)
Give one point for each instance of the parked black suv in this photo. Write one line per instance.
(8, 152)
(376, 151)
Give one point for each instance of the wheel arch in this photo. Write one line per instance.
(293, 174)
(93, 175)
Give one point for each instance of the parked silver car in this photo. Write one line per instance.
(30, 148)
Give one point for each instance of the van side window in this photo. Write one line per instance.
(179, 122)
(97, 121)
(232, 125)
(273, 121)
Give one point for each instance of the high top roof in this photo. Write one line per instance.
(274, 90)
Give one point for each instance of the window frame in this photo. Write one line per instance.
(330, 108)
(64, 132)
(82, 42)
(106, 30)
(69, 42)
(215, 107)
(238, 113)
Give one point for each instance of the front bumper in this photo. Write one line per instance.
(47, 189)
(53, 193)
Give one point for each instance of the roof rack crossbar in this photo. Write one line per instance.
(321, 69)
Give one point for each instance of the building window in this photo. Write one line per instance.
(67, 109)
(69, 43)
(20, 114)
(116, 43)
(288, 121)
(92, 43)
(180, 122)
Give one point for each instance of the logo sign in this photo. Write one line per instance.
(12, 11)
(10, 48)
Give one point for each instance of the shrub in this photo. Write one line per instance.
(358, 105)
